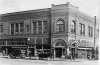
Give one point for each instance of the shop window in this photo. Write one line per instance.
(60, 25)
(38, 40)
(46, 46)
(38, 46)
(45, 41)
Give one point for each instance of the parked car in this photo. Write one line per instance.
(45, 54)
(18, 53)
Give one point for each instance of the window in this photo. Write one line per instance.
(16, 27)
(60, 25)
(73, 27)
(45, 40)
(97, 33)
(39, 27)
(90, 31)
(21, 27)
(44, 26)
(1, 28)
(38, 40)
(34, 28)
(27, 28)
(82, 29)
(12, 28)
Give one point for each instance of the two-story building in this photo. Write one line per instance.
(57, 28)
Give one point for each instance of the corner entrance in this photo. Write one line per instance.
(59, 48)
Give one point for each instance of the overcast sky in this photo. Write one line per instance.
(89, 7)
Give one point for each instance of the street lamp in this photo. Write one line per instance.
(28, 39)
(28, 46)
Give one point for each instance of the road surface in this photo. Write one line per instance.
(6, 61)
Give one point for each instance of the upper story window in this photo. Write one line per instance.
(45, 27)
(90, 31)
(73, 26)
(34, 27)
(1, 28)
(60, 25)
(27, 28)
(12, 28)
(97, 33)
(39, 26)
(82, 29)
(21, 27)
(16, 28)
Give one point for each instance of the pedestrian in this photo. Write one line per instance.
(30, 54)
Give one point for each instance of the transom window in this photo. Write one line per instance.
(60, 25)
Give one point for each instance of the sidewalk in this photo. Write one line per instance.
(4, 56)
(55, 59)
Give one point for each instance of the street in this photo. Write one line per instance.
(6, 61)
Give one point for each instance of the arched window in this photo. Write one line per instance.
(73, 26)
(60, 25)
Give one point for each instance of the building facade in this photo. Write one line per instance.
(61, 28)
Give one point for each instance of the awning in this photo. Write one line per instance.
(19, 47)
(85, 48)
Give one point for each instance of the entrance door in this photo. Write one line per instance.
(32, 51)
(58, 52)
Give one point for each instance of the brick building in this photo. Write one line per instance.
(61, 28)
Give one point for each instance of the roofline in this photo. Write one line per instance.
(28, 11)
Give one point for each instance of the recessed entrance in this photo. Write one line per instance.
(59, 48)
(58, 52)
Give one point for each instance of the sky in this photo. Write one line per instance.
(89, 7)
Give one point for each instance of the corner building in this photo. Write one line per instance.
(57, 28)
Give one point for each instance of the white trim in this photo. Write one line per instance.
(85, 48)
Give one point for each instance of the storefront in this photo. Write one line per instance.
(8, 45)
(59, 48)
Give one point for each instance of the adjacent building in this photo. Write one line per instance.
(61, 28)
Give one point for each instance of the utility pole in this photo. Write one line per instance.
(75, 36)
(94, 35)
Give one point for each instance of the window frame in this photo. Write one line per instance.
(27, 28)
(60, 25)
(82, 29)
(73, 26)
(1, 27)
(90, 31)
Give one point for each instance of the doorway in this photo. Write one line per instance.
(58, 52)
(32, 51)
